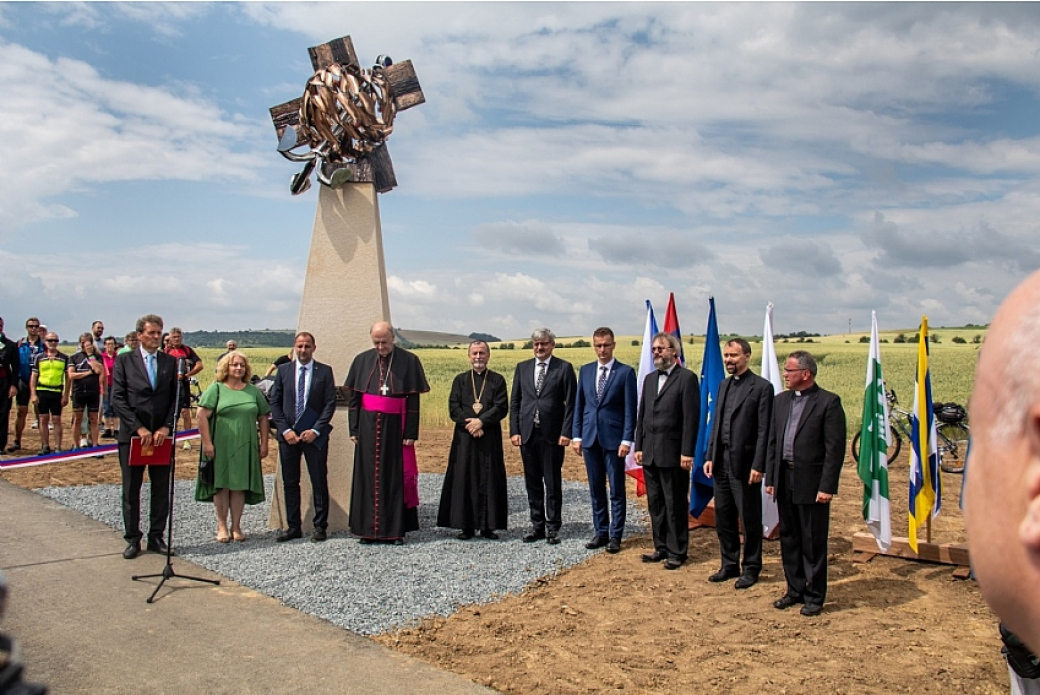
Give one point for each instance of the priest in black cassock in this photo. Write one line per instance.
(474, 495)
(384, 384)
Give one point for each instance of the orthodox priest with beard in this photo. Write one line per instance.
(474, 495)
(383, 387)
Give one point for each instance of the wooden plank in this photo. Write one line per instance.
(962, 572)
(405, 85)
(286, 115)
(940, 553)
(707, 517)
(339, 50)
(382, 169)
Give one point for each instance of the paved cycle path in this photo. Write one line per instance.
(84, 626)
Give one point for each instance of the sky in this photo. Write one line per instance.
(572, 160)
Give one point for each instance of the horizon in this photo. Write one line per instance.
(572, 160)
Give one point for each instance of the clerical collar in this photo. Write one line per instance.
(806, 390)
(739, 377)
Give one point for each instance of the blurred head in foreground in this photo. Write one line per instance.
(1002, 498)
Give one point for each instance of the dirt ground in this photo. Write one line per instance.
(614, 623)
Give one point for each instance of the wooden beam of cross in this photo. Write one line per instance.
(344, 117)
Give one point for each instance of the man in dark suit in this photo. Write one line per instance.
(541, 415)
(666, 435)
(303, 400)
(804, 460)
(604, 429)
(736, 460)
(144, 395)
(9, 370)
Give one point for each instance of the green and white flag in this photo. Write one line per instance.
(874, 437)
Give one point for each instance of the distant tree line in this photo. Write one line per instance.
(250, 339)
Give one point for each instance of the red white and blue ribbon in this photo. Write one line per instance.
(90, 452)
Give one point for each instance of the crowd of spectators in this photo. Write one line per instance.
(36, 375)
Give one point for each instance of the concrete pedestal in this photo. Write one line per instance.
(344, 293)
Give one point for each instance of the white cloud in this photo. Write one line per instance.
(221, 287)
(67, 128)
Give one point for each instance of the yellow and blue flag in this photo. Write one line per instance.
(925, 483)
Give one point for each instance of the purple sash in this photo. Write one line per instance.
(398, 406)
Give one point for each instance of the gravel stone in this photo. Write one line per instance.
(369, 589)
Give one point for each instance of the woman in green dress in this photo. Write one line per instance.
(239, 441)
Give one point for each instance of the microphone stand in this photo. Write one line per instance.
(168, 571)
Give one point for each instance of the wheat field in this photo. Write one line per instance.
(842, 364)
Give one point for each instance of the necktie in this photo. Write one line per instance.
(602, 382)
(539, 382)
(300, 387)
(151, 369)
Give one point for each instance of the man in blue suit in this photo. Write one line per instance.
(303, 401)
(604, 429)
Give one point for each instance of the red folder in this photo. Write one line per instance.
(150, 455)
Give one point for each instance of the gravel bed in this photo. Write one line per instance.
(368, 588)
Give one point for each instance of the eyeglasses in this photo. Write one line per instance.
(32, 325)
(657, 348)
(51, 340)
(799, 369)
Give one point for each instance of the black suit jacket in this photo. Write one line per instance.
(555, 404)
(819, 444)
(10, 364)
(136, 403)
(666, 428)
(748, 427)
(321, 398)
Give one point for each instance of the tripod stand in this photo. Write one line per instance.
(168, 571)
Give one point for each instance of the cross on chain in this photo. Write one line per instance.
(351, 90)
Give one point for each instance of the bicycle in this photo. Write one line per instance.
(194, 394)
(951, 433)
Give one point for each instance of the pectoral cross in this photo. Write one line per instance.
(384, 389)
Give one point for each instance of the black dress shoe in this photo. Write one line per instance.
(158, 545)
(724, 574)
(811, 609)
(614, 546)
(132, 551)
(489, 534)
(362, 541)
(671, 564)
(289, 535)
(596, 542)
(552, 539)
(465, 536)
(746, 581)
(319, 535)
(655, 556)
(534, 536)
(785, 602)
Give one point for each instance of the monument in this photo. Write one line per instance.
(338, 130)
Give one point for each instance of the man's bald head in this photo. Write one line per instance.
(382, 334)
(1002, 497)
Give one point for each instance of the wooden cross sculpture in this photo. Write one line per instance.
(344, 117)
